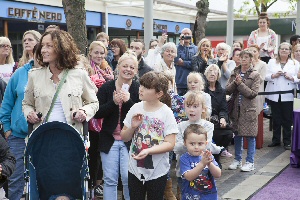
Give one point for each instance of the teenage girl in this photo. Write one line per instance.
(148, 167)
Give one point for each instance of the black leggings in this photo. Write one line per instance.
(222, 137)
(95, 165)
(154, 188)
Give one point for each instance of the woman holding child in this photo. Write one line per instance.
(243, 86)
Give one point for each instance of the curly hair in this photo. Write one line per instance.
(65, 48)
(25, 57)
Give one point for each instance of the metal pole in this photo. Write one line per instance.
(298, 19)
(106, 19)
(230, 20)
(148, 22)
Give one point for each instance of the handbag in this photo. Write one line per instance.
(56, 94)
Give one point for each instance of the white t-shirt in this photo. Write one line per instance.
(261, 40)
(6, 71)
(154, 128)
(57, 113)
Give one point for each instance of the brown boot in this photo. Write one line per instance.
(178, 195)
(168, 194)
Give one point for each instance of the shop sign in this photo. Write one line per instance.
(128, 24)
(157, 27)
(34, 15)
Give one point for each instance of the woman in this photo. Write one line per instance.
(62, 73)
(6, 59)
(282, 76)
(226, 65)
(237, 45)
(101, 72)
(30, 39)
(236, 56)
(264, 38)
(15, 125)
(118, 48)
(154, 53)
(203, 57)
(296, 52)
(166, 63)
(115, 99)
(261, 68)
(243, 84)
(219, 116)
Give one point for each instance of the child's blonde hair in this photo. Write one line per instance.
(194, 128)
(192, 97)
(196, 76)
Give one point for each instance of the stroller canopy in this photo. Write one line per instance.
(57, 153)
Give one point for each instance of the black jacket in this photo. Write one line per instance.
(2, 89)
(200, 65)
(218, 101)
(143, 68)
(7, 161)
(109, 111)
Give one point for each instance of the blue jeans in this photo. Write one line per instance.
(16, 182)
(238, 142)
(112, 163)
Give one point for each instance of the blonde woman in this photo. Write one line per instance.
(30, 39)
(6, 59)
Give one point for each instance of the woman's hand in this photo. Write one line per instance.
(117, 97)
(137, 120)
(125, 95)
(223, 57)
(7, 134)
(141, 155)
(238, 79)
(288, 77)
(80, 115)
(278, 74)
(33, 118)
(223, 123)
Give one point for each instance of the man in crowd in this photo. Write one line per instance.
(185, 52)
(295, 39)
(138, 46)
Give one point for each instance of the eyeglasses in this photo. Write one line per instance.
(114, 46)
(5, 46)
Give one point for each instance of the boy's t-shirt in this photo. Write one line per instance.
(203, 187)
(154, 128)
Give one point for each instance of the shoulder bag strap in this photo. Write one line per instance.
(56, 94)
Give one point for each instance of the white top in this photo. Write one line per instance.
(57, 113)
(261, 40)
(154, 128)
(153, 56)
(6, 71)
(180, 149)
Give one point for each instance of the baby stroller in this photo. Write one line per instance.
(56, 162)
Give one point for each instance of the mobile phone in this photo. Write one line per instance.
(125, 87)
(165, 31)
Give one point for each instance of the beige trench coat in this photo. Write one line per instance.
(244, 117)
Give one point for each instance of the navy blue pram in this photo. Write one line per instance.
(56, 162)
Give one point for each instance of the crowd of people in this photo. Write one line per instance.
(142, 107)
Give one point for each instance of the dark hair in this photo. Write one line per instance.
(152, 40)
(194, 128)
(121, 44)
(157, 81)
(147, 136)
(294, 38)
(141, 41)
(235, 50)
(35, 48)
(241, 44)
(139, 135)
(65, 48)
(264, 15)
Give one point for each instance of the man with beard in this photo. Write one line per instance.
(138, 46)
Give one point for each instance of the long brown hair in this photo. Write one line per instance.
(159, 82)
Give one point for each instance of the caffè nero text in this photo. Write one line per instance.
(34, 14)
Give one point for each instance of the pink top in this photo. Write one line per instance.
(117, 131)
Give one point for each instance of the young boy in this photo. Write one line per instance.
(196, 112)
(104, 38)
(198, 167)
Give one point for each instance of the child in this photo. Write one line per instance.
(195, 109)
(195, 83)
(198, 167)
(151, 117)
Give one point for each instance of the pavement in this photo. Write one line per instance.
(234, 184)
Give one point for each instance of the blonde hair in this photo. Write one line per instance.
(9, 59)
(196, 76)
(86, 64)
(25, 57)
(294, 49)
(210, 55)
(278, 58)
(93, 45)
(213, 67)
(129, 54)
(102, 34)
(192, 97)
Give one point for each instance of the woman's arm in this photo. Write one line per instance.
(250, 92)
(272, 42)
(28, 103)
(231, 85)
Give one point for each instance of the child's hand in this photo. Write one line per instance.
(136, 120)
(206, 157)
(141, 155)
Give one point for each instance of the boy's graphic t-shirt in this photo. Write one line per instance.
(203, 187)
(154, 128)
